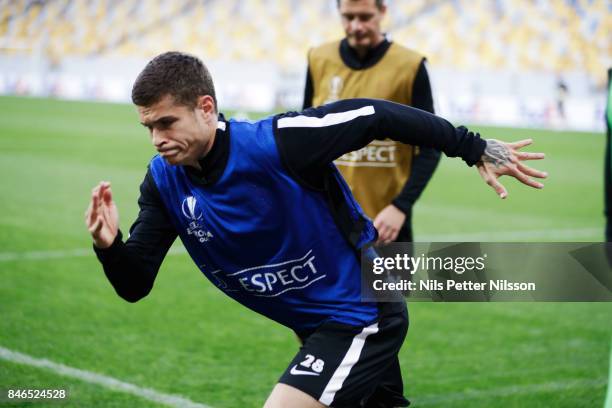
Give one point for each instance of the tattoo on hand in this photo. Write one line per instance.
(496, 153)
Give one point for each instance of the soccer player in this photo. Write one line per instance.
(608, 203)
(386, 177)
(608, 162)
(608, 401)
(267, 218)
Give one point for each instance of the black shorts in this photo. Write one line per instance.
(348, 366)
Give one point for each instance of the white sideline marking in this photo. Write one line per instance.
(501, 236)
(508, 391)
(58, 254)
(488, 236)
(99, 379)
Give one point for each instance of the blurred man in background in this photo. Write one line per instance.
(608, 202)
(608, 162)
(385, 177)
(608, 401)
(562, 93)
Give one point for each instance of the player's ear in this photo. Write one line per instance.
(206, 104)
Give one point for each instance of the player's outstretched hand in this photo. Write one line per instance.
(501, 158)
(102, 217)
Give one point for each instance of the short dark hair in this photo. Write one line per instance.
(180, 75)
(379, 3)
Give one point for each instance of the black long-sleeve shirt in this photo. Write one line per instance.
(424, 164)
(306, 151)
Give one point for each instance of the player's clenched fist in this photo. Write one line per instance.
(102, 217)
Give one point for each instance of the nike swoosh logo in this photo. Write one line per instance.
(295, 371)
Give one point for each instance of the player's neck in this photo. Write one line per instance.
(205, 149)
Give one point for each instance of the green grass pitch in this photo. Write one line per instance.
(188, 339)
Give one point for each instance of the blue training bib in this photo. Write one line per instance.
(264, 239)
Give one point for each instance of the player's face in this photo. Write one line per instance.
(361, 21)
(181, 134)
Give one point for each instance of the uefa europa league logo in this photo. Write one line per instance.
(335, 87)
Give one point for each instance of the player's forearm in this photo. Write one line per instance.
(131, 267)
(420, 128)
(131, 276)
(316, 137)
